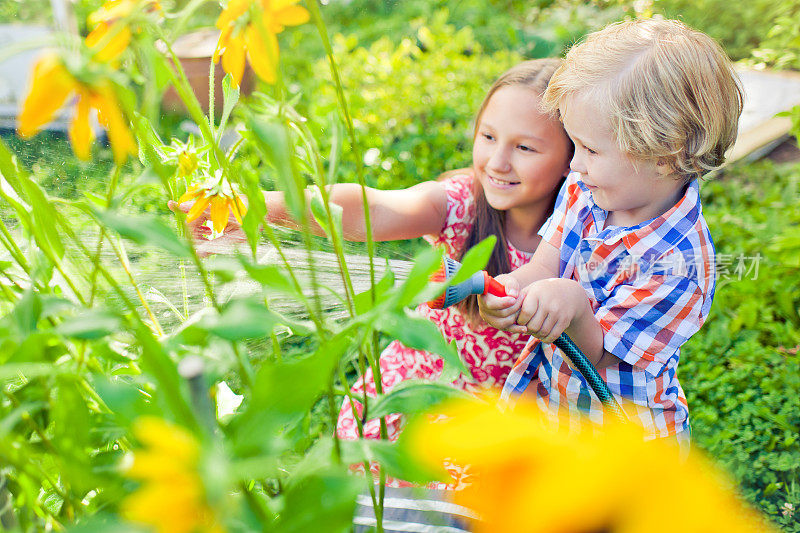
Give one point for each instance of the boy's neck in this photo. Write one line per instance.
(627, 219)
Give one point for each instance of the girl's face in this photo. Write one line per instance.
(520, 153)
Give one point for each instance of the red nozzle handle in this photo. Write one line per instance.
(492, 286)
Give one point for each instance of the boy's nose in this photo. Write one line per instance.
(576, 165)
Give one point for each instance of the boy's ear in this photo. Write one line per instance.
(663, 167)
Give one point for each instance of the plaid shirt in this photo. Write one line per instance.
(650, 287)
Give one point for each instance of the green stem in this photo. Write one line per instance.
(99, 248)
(13, 249)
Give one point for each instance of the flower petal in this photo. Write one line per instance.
(263, 57)
(222, 43)
(50, 86)
(198, 208)
(233, 58)
(238, 208)
(219, 213)
(80, 132)
(191, 194)
(292, 16)
(116, 37)
(110, 114)
(234, 10)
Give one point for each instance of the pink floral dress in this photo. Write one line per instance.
(487, 352)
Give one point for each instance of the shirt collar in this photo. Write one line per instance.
(652, 238)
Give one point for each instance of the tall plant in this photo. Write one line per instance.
(113, 417)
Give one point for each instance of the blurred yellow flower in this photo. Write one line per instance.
(249, 29)
(171, 498)
(112, 33)
(223, 199)
(51, 85)
(531, 476)
(187, 163)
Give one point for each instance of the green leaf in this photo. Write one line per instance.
(425, 264)
(27, 312)
(324, 501)
(364, 300)
(270, 276)
(9, 372)
(256, 211)
(275, 142)
(413, 397)
(145, 230)
(231, 96)
(475, 259)
(244, 319)
(321, 215)
(394, 457)
(421, 334)
(89, 325)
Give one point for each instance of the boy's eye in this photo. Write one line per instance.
(525, 148)
(590, 150)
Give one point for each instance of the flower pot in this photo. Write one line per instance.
(195, 50)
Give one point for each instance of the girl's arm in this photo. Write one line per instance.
(394, 214)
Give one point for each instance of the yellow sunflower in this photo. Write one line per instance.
(534, 475)
(222, 198)
(112, 33)
(249, 29)
(171, 498)
(51, 85)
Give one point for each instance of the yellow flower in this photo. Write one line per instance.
(217, 193)
(187, 163)
(533, 475)
(171, 497)
(112, 34)
(51, 85)
(249, 29)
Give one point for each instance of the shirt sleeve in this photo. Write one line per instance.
(552, 230)
(646, 323)
(460, 214)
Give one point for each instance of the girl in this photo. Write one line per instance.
(521, 155)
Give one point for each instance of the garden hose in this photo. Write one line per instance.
(482, 283)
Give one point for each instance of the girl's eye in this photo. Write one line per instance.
(590, 151)
(488, 136)
(525, 148)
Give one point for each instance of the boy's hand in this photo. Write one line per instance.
(232, 235)
(501, 312)
(549, 306)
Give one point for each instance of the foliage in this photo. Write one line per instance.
(741, 373)
(738, 26)
(780, 47)
(415, 99)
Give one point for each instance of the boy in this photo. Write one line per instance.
(626, 263)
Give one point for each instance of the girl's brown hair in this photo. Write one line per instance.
(535, 75)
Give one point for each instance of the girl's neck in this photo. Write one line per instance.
(522, 225)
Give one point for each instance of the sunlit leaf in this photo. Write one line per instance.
(145, 230)
(89, 324)
(475, 259)
(413, 397)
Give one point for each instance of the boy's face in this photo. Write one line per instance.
(632, 190)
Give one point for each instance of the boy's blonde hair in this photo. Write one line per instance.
(670, 92)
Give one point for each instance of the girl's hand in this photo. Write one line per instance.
(501, 312)
(232, 235)
(549, 306)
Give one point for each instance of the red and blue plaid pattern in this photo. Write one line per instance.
(651, 288)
